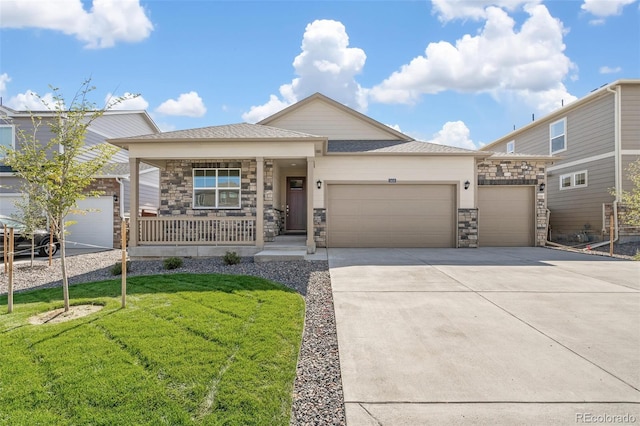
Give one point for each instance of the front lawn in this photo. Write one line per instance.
(188, 349)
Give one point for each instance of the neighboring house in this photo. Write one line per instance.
(321, 169)
(595, 138)
(100, 226)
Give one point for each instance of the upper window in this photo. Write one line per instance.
(511, 147)
(7, 137)
(216, 188)
(558, 136)
(573, 180)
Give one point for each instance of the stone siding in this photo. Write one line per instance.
(467, 228)
(519, 172)
(320, 227)
(271, 217)
(626, 231)
(110, 187)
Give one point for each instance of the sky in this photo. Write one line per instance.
(455, 72)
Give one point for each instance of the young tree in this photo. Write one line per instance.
(54, 177)
(631, 199)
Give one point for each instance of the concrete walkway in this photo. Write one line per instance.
(487, 336)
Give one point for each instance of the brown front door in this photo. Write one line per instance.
(296, 204)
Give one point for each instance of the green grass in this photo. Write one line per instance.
(187, 349)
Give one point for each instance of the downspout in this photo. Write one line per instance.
(617, 166)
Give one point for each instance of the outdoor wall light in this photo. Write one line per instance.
(467, 184)
(542, 185)
(319, 184)
(115, 198)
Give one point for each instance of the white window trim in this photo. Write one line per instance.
(551, 151)
(217, 189)
(513, 147)
(13, 136)
(572, 180)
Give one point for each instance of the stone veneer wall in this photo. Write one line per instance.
(271, 216)
(320, 227)
(110, 187)
(467, 228)
(625, 230)
(519, 172)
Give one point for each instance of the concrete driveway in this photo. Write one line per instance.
(487, 336)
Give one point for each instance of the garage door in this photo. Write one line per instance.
(391, 215)
(506, 216)
(95, 228)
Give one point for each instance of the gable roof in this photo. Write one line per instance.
(397, 147)
(561, 112)
(227, 132)
(319, 97)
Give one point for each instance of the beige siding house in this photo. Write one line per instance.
(331, 175)
(100, 227)
(595, 138)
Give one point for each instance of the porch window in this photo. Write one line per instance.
(216, 188)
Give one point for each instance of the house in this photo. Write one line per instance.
(100, 227)
(342, 179)
(595, 138)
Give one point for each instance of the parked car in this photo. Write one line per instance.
(22, 242)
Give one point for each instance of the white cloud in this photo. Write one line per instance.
(448, 10)
(108, 21)
(188, 104)
(530, 62)
(395, 127)
(609, 70)
(129, 102)
(604, 8)
(4, 79)
(454, 133)
(29, 101)
(326, 64)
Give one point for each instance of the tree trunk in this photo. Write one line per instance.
(65, 281)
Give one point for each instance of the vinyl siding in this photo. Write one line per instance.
(572, 209)
(43, 135)
(630, 121)
(149, 193)
(122, 125)
(10, 185)
(322, 119)
(93, 139)
(627, 185)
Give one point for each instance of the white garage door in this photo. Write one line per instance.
(506, 216)
(94, 228)
(7, 204)
(391, 215)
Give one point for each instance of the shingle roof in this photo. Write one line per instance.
(228, 131)
(394, 146)
(121, 169)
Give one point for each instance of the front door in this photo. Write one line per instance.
(296, 204)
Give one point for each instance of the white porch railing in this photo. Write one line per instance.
(188, 230)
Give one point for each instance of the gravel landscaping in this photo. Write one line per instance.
(317, 395)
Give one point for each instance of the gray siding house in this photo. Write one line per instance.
(595, 139)
(100, 227)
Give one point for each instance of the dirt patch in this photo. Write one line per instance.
(59, 315)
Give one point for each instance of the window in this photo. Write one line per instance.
(511, 147)
(216, 188)
(573, 180)
(7, 137)
(558, 136)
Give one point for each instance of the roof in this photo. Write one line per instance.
(519, 156)
(319, 96)
(224, 132)
(394, 146)
(121, 169)
(559, 113)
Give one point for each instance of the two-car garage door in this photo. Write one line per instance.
(391, 215)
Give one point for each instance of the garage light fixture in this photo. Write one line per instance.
(467, 184)
(319, 184)
(542, 185)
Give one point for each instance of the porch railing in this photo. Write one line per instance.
(185, 230)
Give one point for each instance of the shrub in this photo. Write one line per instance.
(231, 258)
(117, 268)
(172, 263)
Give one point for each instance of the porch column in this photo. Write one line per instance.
(134, 202)
(260, 202)
(311, 184)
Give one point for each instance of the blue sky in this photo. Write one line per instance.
(457, 72)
